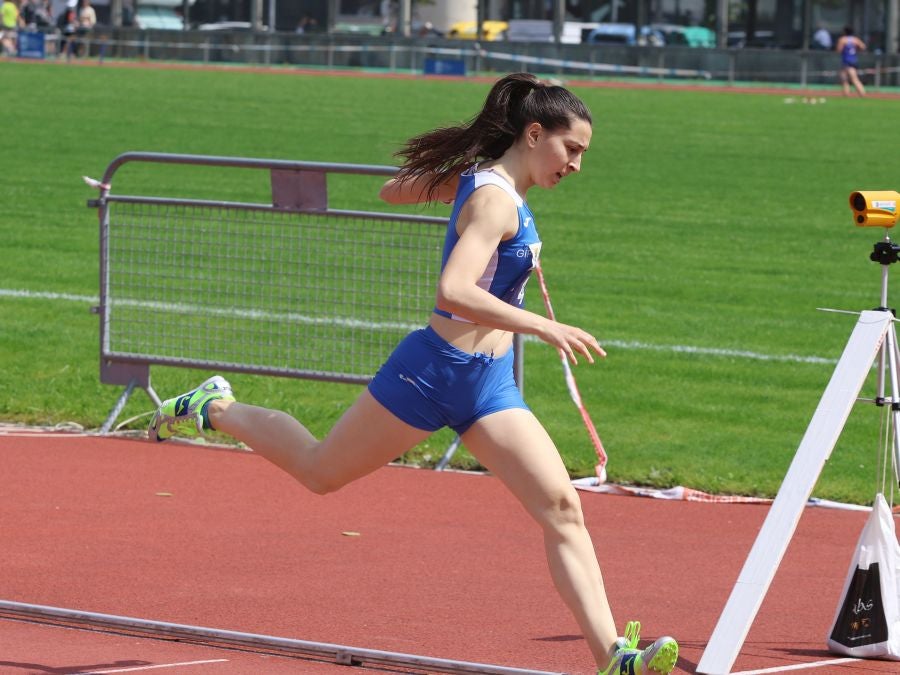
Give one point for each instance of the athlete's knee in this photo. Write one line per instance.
(309, 466)
(321, 487)
(561, 510)
(322, 482)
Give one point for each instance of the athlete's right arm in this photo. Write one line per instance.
(415, 190)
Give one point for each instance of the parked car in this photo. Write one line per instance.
(468, 30)
(686, 36)
(230, 26)
(361, 26)
(700, 36)
(158, 14)
(529, 30)
(157, 17)
(541, 30)
(624, 34)
(764, 39)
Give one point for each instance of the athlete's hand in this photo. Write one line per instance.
(571, 339)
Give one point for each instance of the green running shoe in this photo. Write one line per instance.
(186, 415)
(660, 657)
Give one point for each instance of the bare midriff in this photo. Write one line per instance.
(471, 337)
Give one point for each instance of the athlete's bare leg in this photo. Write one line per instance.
(514, 446)
(365, 438)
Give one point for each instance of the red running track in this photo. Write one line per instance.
(444, 565)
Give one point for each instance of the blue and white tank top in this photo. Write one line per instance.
(849, 53)
(511, 264)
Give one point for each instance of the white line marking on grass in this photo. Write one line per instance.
(41, 295)
(162, 665)
(713, 351)
(799, 666)
(299, 318)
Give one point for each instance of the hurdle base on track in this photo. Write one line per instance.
(339, 654)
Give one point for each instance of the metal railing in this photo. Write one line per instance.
(277, 285)
(797, 67)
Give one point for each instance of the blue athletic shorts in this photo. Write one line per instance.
(428, 383)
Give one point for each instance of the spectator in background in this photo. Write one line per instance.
(87, 18)
(27, 11)
(306, 25)
(11, 23)
(821, 38)
(849, 46)
(67, 23)
(37, 14)
(43, 16)
(426, 29)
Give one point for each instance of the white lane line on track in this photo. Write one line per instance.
(799, 666)
(37, 434)
(253, 314)
(161, 665)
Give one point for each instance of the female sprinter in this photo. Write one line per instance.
(849, 46)
(457, 371)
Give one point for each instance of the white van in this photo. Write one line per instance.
(539, 30)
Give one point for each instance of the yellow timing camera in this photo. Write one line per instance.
(874, 208)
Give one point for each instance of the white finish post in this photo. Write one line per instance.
(722, 7)
(781, 522)
(891, 25)
(404, 19)
(891, 348)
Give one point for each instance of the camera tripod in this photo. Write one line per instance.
(887, 253)
(872, 342)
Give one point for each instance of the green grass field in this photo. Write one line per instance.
(704, 226)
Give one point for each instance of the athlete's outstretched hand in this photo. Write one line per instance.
(571, 339)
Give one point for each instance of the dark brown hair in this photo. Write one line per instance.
(513, 103)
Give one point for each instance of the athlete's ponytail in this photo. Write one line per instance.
(513, 103)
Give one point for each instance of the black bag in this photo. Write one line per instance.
(867, 622)
(860, 621)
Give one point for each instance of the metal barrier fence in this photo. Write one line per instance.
(281, 285)
(790, 66)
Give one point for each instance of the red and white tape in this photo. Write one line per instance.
(573, 387)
